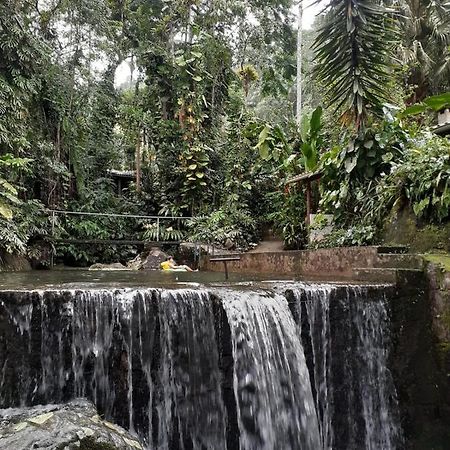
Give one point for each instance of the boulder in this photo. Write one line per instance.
(112, 266)
(75, 425)
(148, 260)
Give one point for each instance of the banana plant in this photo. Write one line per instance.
(433, 103)
(311, 138)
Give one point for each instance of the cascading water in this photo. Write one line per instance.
(317, 308)
(148, 359)
(346, 330)
(217, 369)
(271, 380)
(190, 371)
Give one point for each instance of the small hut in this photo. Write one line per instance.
(122, 179)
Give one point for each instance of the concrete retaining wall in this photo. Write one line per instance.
(322, 263)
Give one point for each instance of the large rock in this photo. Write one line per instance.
(148, 260)
(75, 425)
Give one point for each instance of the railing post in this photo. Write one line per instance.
(157, 229)
(52, 255)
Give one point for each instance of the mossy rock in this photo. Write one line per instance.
(72, 426)
(403, 229)
(91, 444)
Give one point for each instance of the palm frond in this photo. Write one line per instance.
(354, 50)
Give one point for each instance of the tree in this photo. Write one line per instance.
(425, 49)
(299, 62)
(354, 52)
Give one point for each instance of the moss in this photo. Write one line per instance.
(402, 229)
(442, 260)
(89, 443)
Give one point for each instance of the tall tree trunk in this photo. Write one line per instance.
(138, 162)
(299, 62)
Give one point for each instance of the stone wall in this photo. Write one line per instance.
(418, 363)
(322, 263)
(402, 229)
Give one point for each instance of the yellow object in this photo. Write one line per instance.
(165, 265)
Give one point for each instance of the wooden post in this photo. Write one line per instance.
(308, 203)
(52, 255)
(226, 270)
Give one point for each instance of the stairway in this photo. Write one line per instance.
(392, 265)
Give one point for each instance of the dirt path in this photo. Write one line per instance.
(268, 247)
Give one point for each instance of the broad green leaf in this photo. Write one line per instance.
(413, 110)
(316, 120)
(8, 187)
(264, 150)
(438, 102)
(307, 150)
(192, 166)
(180, 61)
(419, 207)
(199, 174)
(264, 134)
(304, 127)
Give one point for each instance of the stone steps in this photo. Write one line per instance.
(398, 261)
(399, 276)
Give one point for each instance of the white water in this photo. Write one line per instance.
(271, 381)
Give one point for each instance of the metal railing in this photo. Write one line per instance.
(55, 212)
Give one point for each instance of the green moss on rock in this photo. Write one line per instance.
(89, 443)
(440, 259)
(402, 229)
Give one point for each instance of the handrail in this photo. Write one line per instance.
(54, 212)
(131, 216)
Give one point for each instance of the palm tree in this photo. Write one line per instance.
(425, 30)
(354, 50)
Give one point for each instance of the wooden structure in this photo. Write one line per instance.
(225, 259)
(122, 178)
(306, 178)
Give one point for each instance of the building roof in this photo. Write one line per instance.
(122, 173)
(305, 177)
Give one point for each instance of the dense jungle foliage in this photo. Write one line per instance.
(203, 128)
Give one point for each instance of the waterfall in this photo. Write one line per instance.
(317, 308)
(271, 380)
(291, 367)
(190, 373)
(346, 330)
(148, 359)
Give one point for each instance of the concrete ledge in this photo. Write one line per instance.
(323, 263)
